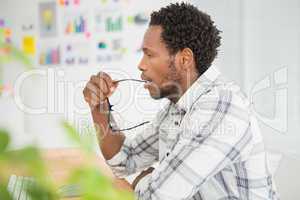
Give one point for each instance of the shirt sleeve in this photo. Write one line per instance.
(139, 152)
(214, 138)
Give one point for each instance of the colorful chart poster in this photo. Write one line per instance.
(49, 55)
(76, 24)
(109, 50)
(48, 21)
(76, 54)
(109, 21)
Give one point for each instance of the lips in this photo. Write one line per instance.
(148, 80)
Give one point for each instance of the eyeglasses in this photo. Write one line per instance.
(110, 106)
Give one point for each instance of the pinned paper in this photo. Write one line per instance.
(7, 32)
(103, 1)
(50, 56)
(4, 51)
(76, 24)
(76, 54)
(102, 45)
(2, 22)
(61, 2)
(141, 19)
(76, 2)
(47, 16)
(6, 90)
(29, 45)
(88, 35)
(65, 3)
(138, 19)
(113, 24)
(109, 21)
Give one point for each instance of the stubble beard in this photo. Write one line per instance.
(171, 88)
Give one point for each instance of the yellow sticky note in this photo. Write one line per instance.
(29, 45)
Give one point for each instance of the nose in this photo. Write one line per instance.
(142, 64)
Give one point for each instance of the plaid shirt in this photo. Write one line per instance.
(208, 146)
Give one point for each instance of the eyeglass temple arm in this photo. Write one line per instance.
(127, 129)
(129, 79)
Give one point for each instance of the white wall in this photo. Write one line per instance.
(228, 18)
(271, 49)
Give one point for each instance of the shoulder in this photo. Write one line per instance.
(221, 96)
(222, 108)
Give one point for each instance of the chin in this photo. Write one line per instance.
(155, 96)
(162, 93)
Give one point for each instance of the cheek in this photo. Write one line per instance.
(159, 70)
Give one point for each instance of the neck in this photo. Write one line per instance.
(185, 83)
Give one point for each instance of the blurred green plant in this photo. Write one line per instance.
(27, 160)
(92, 183)
(95, 186)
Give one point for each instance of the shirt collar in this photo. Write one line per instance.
(199, 87)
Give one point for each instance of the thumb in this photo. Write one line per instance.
(113, 88)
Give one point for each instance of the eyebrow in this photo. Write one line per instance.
(145, 49)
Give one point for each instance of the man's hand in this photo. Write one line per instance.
(98, 89)
(122, 184)
(141, 175)
(96, 93)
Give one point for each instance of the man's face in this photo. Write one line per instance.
(158, 66)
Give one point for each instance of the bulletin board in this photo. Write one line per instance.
(79, 32)
(81, 37)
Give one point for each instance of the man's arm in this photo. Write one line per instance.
(124, 156)
(136, 153)
(110, 142)
(96, 92)
(140, 152)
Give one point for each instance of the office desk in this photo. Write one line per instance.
(61, 161)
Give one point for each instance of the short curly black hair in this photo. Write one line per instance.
(184, 26)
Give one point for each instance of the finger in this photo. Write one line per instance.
(91, 91)
(91, 97)
(110, 83)
(100, 83)
(86, 94)
(92, 88)
(95, 100)
(114, 86)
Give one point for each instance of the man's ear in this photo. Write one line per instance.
(186, 59)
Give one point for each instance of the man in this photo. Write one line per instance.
(206, 140)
